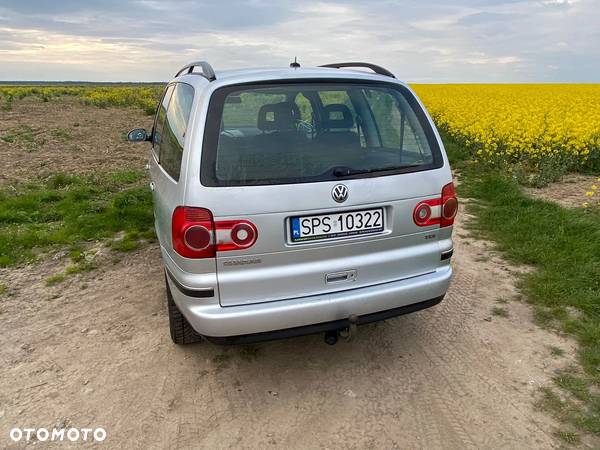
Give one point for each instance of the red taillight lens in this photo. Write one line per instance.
(192, 232)
(235, 235)
(422, 214)
(449, 205)
(426, 213)
(441, 210)
(243, 234)
(197, 237)
(195, 234)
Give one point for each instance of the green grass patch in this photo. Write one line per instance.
(569, 437)
(61, 133)
(577, 386)
(22, 134)
(68, 210)
(55, 279)
(563, 246)
(80, 267)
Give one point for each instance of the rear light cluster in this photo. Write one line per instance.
(438, 211)
(195, 234)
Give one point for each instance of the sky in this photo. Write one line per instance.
(426, 41)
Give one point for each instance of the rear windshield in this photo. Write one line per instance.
(295, 133)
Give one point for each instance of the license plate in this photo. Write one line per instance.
(328, 226)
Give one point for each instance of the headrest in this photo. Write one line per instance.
(277, 116)
(337, 116)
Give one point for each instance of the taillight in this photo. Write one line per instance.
(192, 232)
(235, 235)
(195, 234)
(197, 237)
(422, 214)
(449, 205)
(438, 211)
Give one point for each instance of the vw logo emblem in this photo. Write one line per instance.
(339, 193)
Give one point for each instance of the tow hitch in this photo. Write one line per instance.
(348, 333)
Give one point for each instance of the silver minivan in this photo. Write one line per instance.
(294, 200)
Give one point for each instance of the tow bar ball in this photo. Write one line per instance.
(347, 333)
(331, 337)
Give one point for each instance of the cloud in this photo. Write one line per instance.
(427, 41)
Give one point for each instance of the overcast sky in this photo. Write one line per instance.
(420, 41)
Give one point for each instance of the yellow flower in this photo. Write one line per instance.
(529, 124)
(589, 193)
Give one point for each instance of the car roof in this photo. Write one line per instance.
(235, 76)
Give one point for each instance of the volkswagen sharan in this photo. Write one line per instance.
(295, 200)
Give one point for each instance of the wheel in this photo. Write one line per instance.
(181, 330)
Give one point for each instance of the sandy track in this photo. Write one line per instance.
(453, 376)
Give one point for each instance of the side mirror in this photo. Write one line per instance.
(138, 135)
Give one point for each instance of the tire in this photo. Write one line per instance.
(181, 330)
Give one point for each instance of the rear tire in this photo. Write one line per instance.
(181, 330)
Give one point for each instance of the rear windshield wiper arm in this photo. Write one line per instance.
(347, 171)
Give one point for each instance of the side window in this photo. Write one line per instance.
(241, 111)
(178, 114)
(159, 122)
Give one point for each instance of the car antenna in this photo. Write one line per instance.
(295, 64)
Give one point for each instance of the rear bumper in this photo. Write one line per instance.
(323, 327)
(210, 319)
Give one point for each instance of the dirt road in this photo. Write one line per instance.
(454, 376)
(94, 351)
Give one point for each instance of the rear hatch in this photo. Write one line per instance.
(329, 175)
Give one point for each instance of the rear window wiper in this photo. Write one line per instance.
(347, 171)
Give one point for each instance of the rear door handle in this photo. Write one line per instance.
(336, 277)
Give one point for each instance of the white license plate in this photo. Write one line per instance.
(328, 226)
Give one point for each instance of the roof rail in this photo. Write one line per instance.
(375, 68)
(207, 70)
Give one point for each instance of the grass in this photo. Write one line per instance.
(61, 133)
(80, 267)
(563, 245)
(55, 279)
(22, 134)
(569, 437)
(68, 211)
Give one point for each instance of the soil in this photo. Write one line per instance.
(94, 351)
(63, 135)
(569, 192)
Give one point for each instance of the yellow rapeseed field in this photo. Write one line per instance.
(534, 127)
